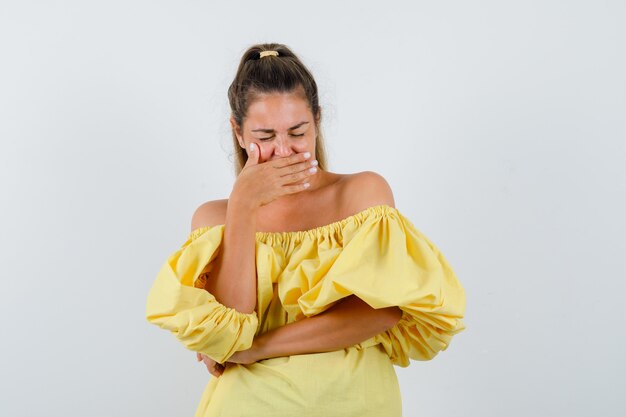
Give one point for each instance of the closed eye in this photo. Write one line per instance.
(302, 134)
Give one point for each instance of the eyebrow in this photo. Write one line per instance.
(272, 130)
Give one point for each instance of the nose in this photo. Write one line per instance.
(282, 147)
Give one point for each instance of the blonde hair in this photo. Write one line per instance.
(284, 73)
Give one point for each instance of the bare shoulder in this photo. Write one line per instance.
(365, 189)
(211, 213)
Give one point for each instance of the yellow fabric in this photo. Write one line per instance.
(376, 254)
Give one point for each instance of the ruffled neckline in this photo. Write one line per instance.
(313, 233)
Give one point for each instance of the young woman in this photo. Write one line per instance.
(302, 289)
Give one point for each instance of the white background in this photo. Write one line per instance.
(499, 125)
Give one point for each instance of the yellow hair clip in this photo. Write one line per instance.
(268, 53)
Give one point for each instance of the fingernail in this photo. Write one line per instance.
(307, 154)
(314, 162)
(307, 185)
(314, 169)
(252, 147)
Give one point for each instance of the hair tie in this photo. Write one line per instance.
(268, 53)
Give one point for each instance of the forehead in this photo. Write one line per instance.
(277, 111)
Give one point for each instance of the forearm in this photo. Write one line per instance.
(347, 323)
(233, 279)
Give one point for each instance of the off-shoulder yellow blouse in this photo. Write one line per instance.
(376, 254)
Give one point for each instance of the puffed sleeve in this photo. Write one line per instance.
(387, 262)
(179, 303)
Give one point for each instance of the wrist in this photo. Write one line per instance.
(241, 206)
(259, 347)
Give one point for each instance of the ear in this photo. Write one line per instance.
(235, 127)
(317, 120)
(318, 115)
